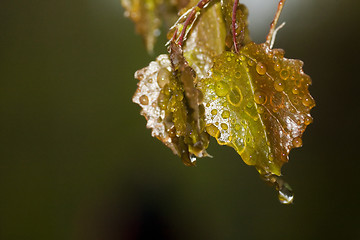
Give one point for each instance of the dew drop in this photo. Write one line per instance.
(308, 120)
(295, 90)
(297, 142)
(225, 114)
(279, 86)
(212, 130)
(260, 68)
(234, 97)
(277, 66)
(224, 126)
(163, 77)
(214, 112)
(286, 195)
(260, 109)
(221, 88)
(237, 127)
(284, 74)
(192, 158)
(307, 101)
(251, 62)
(237, 74)
(144, 100)
(260, 97)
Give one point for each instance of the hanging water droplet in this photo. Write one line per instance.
(192, 158)
(286, 195)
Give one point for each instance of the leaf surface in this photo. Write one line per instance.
(170, 104)
(258, 102)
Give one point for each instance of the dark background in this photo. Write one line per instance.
(77, 162)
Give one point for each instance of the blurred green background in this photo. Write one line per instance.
(77, 162)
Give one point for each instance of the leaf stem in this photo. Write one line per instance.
(200, 5)
(274, 22)
(233, 23)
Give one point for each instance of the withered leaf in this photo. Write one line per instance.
(167, 97)
(258, 102)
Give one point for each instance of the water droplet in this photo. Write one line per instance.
(307, 101)
(225, 114)
(212, 130)
(242, 57)
(237, 127)
(224, 126)
(144, 100)
(249, 105)
(286, 195)
(251, 62)
(284, 74)
(221, 88)
(297, 142)
(192, 158)
(208, 105)
(279, 86)
(260, 97)
(295, 90)
(260, 68)
(163, 77)
(237, 74)
(260, 109)
(277, 66)
(234, 97)
(308, 120)
(228, 59)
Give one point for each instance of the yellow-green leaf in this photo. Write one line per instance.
(258, 102)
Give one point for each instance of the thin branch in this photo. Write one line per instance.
(274, 22)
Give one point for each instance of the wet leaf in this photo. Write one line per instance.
(170, 104)
(258, 102)
(206, 40)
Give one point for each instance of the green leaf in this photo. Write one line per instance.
(206, 40)
(258, 102)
